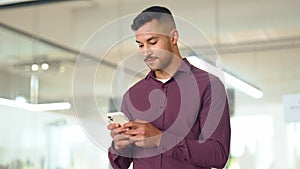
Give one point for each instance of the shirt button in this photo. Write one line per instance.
(161, 107)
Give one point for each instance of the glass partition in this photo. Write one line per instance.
(36, 132)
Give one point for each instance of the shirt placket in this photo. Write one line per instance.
(162, 107)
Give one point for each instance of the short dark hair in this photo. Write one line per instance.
(155, 12)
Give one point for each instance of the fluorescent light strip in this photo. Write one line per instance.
(8, 2)
(35, 107)
(242, 86)
(229, 79)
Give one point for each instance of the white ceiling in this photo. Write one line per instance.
(258, 41)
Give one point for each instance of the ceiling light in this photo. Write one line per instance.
(50, 106)
(224, 76)
(243, 86)
(8, 2)
(45, 66)
(35, 107)
(34, 67)
(62, 69)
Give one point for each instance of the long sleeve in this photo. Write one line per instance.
(121, 159)
(212, 147)
(195, 126)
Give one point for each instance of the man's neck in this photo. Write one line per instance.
(170, 71)
(160, 74)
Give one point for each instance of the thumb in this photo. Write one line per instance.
(140, 121)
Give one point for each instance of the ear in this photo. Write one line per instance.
(174, 36)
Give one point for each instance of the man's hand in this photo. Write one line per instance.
(142, 134)
(120, 140)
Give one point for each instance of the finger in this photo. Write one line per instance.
(140, 121)
(136, 139)
(113, 126)
(121, 144)
(119, 137)
(118, 131)
(132, 124)
(134, 132)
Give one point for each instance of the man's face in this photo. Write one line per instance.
(154, 45)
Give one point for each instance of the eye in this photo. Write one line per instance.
(140, 45)
(153, 43)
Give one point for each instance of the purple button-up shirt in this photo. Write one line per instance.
(190, 109)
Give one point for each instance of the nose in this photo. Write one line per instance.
(147, 51)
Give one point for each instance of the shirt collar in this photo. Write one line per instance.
(185, 67)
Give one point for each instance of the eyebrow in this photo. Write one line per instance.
(149, 39)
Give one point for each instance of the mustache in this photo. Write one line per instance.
(150, 57)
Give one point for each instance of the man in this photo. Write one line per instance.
(179, 114)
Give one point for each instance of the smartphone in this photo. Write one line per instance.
(117, 117)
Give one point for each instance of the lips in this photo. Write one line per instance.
(150, 59)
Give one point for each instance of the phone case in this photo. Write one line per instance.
(117, 117)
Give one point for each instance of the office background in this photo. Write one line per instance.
(258, 43)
